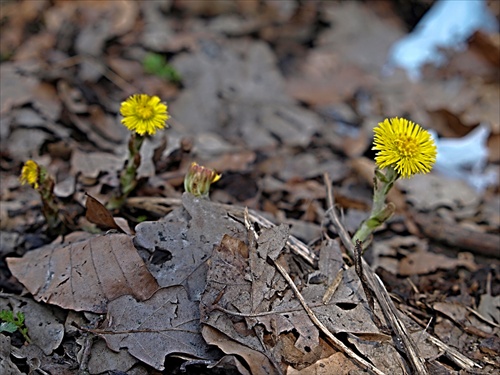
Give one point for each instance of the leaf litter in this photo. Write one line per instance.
(246, 78)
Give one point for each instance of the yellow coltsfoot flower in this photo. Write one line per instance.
(404, 146)
(40, 179)
(198, 180)
(30, 174)
(144, 114)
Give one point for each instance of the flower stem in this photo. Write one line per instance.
(128, 176)
(50, 207)
(381, 211)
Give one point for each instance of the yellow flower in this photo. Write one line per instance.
(405, 146)
(30, 174)
(198, 180)
(144, 114)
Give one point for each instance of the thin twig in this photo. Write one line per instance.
(358, 266)
(454, 355)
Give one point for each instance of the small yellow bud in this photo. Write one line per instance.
(198, 180)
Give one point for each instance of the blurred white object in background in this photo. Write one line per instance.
(466, 158)
(448, 24)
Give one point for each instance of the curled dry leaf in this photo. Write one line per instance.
(98, 214)
(85, 275)
(166, 323)
(256, 361)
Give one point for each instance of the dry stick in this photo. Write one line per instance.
(376, 285)
(336, 342)
(453, 354)
(358, 266)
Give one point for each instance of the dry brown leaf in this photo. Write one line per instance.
(103, 359)
(257, 362)
(92, 164)
(432, 191)
(325, 79)
(385, 252)
(337, 364)
(85, 275)
(22, 142)
(168, 322)
(234, 161)
(489, 306)
(229, 286)
(382, 353)
(98, 214)
(17, 89)
(422, 262)
(460, 315)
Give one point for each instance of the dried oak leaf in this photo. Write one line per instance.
(166, 323)
(85, 275)
(257, 362)
(240, 279)
(489, 305)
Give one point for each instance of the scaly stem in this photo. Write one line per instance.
(381, 211)
(50, 208)
(128, 176)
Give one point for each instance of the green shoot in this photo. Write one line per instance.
(12, 323)
(156, 64)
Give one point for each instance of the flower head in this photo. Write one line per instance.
(30, 174)
(198, 180)
(405, 146)
(144, 114)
